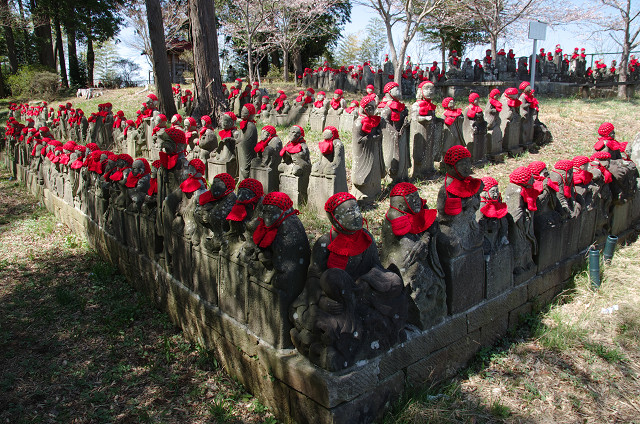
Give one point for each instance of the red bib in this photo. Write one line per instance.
(346, 245)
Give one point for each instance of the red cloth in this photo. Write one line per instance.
(167, 160)
(513, 102)
(318, 103)
(412, 223)
(426, 106)
(226, 133)
(343, 246)
(464, 188)
(264, 236)
(530, 196)
(531, 100)
(451, 115)
(77, 164)
(493, 208)
(369, 123)
(497, 104)
(239, 210)
(607, 175)
(473, 111)
(396, 107)
(581, 176)
(243, 123)
(191, 184)
(132, 180)
(153, 187)
(292, 147)
(260, 145)
(335, 103)
(119, 174)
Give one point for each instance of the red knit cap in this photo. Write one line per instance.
(251, 108)
(153, 97)
(270, 129)
(156, 164)
(578, 161)
(389, 86)
(176, 118)
(489, 182)
(495, 92)
(198, 165)
(511, 91)
(177, 135)
(525, 84)
(536, 167)
(69, 145)
(423, 83)
(311, 90)
(232, 115)
(601, 156)
(520, 176)
(206, 119)
(43, 129)
(370, 86)
(338, 92)
(402, 189)
(192, 121)
(82, 149)
(279, 199)
(162, 117)
(455, 153)
(147, 168)
(605, 129)
(130, 122)
(228, 181)
(445, 102)
(92, 146)
(336, 200)
(473, 97)
(301, 130)
(254, 185)
(564, 164)
(111, 156)
(125, 157)
(366, 100)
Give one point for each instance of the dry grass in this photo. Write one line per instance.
(78, 344)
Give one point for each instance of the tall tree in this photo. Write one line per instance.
(160, 61)
(410, 13)
(7, 28)
(42, 31)
(59, 48)
(623, 25)
(206, 63)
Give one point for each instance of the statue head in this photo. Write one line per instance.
(275, 206)
(249, 189)
(228, 120)
(176, 119)
(222, 185)
(248, 111)
(368, 105)
(522, 176)
(205, 121)
(494, 94)
(565, 166)
(607, 130)
(344, 213)
(370, 89)
(267, 131)
(458, 162)
(140, 167)
(539, 168)
(295, 133)
(525, 87)
(581, 162)
(474, 98)
(426, 90)
(406, 198)
(602, 157)
(154, 168)
(337, 94)
(330, 133)
(393, 90)
(491, 188)
(161, 121)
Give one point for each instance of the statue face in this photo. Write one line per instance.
(270, 214)
(464, 167)
(218, 187)
(294, 133)
(154, 172)
(395, 92)
(613, 134)
(245, 194)
(494, 193)
(244, 113)
(475, 102)
(369, 90)
(411, 203)
(327, 134)
(264, 134)
(348, 216)
(451, 104)
(120, 163)
(137, 167)
(203, 123)
(336, 96)
(369, 108)
(227, 122)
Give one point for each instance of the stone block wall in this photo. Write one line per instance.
(286, 381)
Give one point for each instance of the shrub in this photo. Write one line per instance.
(34, 81)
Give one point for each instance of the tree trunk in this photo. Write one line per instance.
(250, 61)
(91, 57)
(206, 62)
(2, 93)
(60, 48)
(494, 47)
(297, 63)
(8, 37)
(74, 67)
(624, 60)
(285, 64)
(42, 31)
(160, 61)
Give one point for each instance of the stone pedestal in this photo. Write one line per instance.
(332, 118)
(215, 167)
(322, 187)
(269, 179)
(346, 121)
(316, 120)
(586, 236)
(181, 260)
(620, 218)
(282, 120)
(464, 289)
(477, 146)
(233, 288)
(299, 115)
(117, 225)
(131, 229)
(550, 240)
(498, 272)
(511, 138)
(268, 313)
(205, 267)
(295, 187)
(150, 242)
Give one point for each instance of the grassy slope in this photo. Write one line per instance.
(566, 364)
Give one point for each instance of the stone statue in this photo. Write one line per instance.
(494, 133)
(225, 154)
(474, 129)
(137, 184)
(207, 141)
(521, 197)
(213, 208)
(510, 121)
(328, 175)
(264, 167)
(295, 166)
(250, 193)
(366, 148)
(409, 234)
(452, 133)
(529, 114)
(425, 132)
(247, 141)
(351, 308)
(395, 138)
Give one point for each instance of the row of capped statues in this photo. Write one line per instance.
(246, 251)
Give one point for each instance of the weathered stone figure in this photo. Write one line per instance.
(474, 129)
(409, 234)
(494, 133)
(295, 166)
(247, 141)
(529, 114)
(425, 132)
(510, 121)
(213, 208)
(395, 138)
(264, 167)
(351, 308)
(367, 154)
(452, 133)
(225, 159)
(137, 184)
